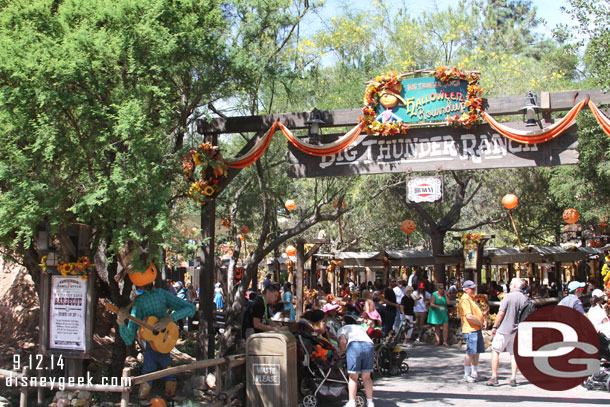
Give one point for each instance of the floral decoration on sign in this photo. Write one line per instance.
(474, 101)
(78, 268)
(472, 237)
(204, 168)
(381, 84)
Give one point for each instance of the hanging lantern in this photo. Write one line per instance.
(570, 215)
(291, 250)
(408, 226)
(510, 201)
(244, 230)
(290, 205)
(336, 204)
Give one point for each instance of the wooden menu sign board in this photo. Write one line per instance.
(435, 149)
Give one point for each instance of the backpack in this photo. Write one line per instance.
(526, 310)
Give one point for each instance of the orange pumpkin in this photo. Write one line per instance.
(291, 250)
(571, 215)
(408, 226)
(510, 201)
(290, 205)
(157, 402)
(140, 279)
(244, 230)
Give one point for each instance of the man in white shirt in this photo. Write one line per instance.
(359, 349)
(597, 315)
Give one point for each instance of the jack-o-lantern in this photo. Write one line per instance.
(140, 279)
(510, 201)
(290, 205)
(291, 250)
(571, 215)
(408, 226)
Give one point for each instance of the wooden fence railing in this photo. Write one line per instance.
(128, 382)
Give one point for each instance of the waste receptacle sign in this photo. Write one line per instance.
(266, 374)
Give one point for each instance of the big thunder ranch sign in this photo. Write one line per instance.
(433, 122)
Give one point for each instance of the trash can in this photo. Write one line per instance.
(271, 370)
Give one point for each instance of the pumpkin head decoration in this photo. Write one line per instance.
(510, 201)
(140, 279)
(570, 215)
(157, 402)
(408, 226)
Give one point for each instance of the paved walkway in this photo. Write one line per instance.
(436, 375)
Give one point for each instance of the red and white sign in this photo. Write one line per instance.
(424, 189)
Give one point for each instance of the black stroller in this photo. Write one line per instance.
(390, 357)
(601, 379)
(321, 375)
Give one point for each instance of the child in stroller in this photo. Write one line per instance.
(322, 374)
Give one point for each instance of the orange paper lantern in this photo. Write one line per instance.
(140, 279)
(291, 250)
(244, 230)
(510, 201)
(290, 205)
(571, 215)
(408, 226)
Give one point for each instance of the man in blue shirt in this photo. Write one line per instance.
(572, 300)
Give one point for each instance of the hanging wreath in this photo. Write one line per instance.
(203, 169)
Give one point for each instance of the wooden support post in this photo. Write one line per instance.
(299, 279)
(125, 393)
(206, 336)
(313, 274)
(23, 393)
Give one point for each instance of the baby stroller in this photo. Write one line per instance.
(390, 358)
(601, 380)
(322, 376)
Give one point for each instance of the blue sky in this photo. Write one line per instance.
(547, 9)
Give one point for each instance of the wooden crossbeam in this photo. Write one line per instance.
(506, 105)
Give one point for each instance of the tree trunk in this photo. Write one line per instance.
(206, 337)
(121, 299)
(438, 248)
